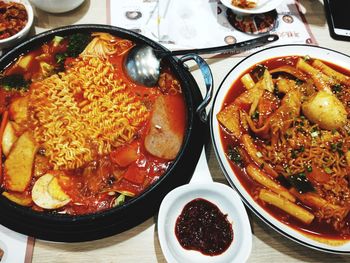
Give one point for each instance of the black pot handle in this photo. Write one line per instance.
(208, 80)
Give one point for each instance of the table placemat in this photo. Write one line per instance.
(15, 247)
(183, 24)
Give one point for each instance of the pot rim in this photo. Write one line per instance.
(192, 124)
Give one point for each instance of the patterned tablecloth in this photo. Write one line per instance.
(180, 24)
(15, 247)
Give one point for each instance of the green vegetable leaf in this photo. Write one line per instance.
(234, 155)
(299, 82)
(255, 115)
(77, 43)
(309, 168)
(258, 71)
(337, 147)
(294, 154)
(301, 183)
(284, 182)
(61, 57)
(14, 82)
(336, 88)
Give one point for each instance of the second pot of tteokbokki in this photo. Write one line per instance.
(87, 153)
(280, 128)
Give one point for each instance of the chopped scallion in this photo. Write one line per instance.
(314, 134)
(328, 170)
(119, 200)
(306, 58)
(309, 168)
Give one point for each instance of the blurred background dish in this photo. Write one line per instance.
(20, 12)
(254, 24)
(57, 6)
(262, 6)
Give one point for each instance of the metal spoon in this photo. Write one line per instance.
(142, 63)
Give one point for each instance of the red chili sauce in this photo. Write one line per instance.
(203, 227)
(317, 228)
(13, 18)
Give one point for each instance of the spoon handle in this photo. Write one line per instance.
(227, 49)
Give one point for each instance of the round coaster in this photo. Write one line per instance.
(253, 24)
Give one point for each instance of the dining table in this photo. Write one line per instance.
(141, 243)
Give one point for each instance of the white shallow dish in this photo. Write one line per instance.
(228, 202)
(263, 6)
(332, 56)
(15, 39)
(57, 6)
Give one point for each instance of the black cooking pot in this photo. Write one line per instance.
(68, 228)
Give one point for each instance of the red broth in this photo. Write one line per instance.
(126, 170)
(319, 229)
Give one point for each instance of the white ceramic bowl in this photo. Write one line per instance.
(227, 200)
(324, 54)
(263, 6)
(57, 6)
(15, 39)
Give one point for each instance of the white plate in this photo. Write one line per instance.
(228, 202)
(57, 6)
(263, 6)
(278, 51)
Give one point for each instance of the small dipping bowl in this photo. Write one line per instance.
(227, 200)
(57, 6)
(263, 6)
(22, 34)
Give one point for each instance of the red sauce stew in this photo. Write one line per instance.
(112, 176)
(317, 228)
